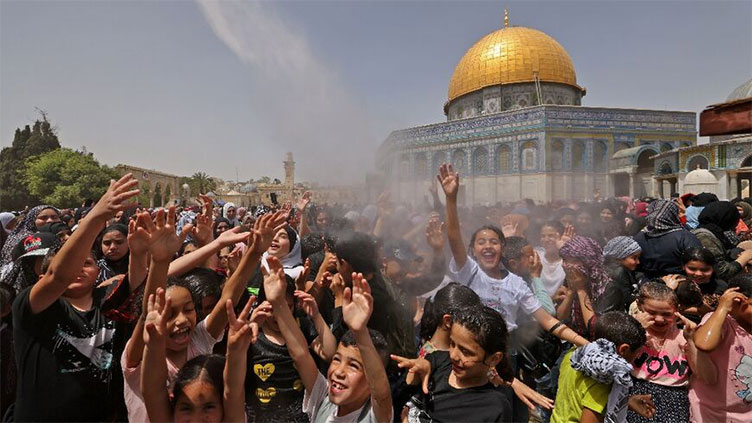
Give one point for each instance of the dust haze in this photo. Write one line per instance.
(307, 110)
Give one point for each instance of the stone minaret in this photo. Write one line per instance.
(290, 177)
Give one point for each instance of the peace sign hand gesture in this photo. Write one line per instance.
(242, 331)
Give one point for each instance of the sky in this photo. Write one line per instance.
(228, 87)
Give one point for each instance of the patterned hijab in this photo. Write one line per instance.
(663, 218)
(590, 254)
(21, 231)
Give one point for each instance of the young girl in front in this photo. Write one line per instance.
(663, 365)
(723, 392)
(552, 236)
(456, 383)
(201, 392)
(274, 389)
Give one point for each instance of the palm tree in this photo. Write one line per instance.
(203, 183)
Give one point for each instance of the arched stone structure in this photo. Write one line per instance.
(149, 179)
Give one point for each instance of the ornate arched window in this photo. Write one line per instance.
(458, 161)
(439, 158)
(529, 156)
(421, 165)
(557, 155)
(600, 156)
(505, 159)
(578, 154)
(480, 161)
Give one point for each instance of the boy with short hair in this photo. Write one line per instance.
(64, 343)
(594, 380)
(356, 388)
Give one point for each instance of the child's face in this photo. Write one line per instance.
(84, 282)
(606, 215)
(630, 263)
(521, 266)
(347, 380)
(549, 237)
(182, 318)
(468, 357)
(662, 313)
(487, 249)
(199, 402)
(280, 244)
(698, 271)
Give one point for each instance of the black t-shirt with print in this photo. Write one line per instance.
(447, 404)
(67, 359)
(273, 389)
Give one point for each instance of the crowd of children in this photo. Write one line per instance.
(617, 310)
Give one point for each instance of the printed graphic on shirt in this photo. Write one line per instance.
(743, 374)
(660, 364)
(265, 395)
(92, 353)
(263, 372)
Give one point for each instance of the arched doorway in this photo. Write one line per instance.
(643, 179)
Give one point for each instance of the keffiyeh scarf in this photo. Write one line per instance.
(663, 218)
(599, 361)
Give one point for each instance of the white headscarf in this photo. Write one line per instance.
(292, 263)
(5, 218)
(234, 222)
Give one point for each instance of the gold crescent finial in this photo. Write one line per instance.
(506, 17)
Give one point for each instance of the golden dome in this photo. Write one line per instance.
(511, 55)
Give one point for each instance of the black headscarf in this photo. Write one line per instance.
(719, 217)
(703, 199)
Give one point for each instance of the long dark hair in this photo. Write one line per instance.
(448, 300)
(207, 368)
(115, 227)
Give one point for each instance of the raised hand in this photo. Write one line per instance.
(357, 303)
(690, 327)
(307, 303)
(233, 260)
(417, 369)
(303, 201)
(232, 236)
(116, 198)
(302, 279)
(672, 281)
(536, 266)
(730, 298)
(203, 233)
(262, 312)
(138, 235)
(164, 242)
(645, 319)
(242, 331)
(449, 180)
(337, 285)
(275, 282)
(435, 233)
(265, 228)
(157, 314)
(509, 226)
(566, 236)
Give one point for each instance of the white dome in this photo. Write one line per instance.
(700, 180)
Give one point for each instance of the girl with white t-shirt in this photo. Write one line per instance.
(552, 236)
(482, 271)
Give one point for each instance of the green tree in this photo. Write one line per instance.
(27, 143)
(201, 183)
(144, 197)
(65, 177)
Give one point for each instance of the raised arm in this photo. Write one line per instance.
(261, 237)
(69, 261)
(325, 345)
(154, 369)
(450, 183)
(138, 246)
(557, 328)
(709, 335)
(188, 262)
(304, 228)
(275, 287)
(356, 310)
(163, 242)
(241, 333)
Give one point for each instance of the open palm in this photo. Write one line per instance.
(164, 242)
(357, 304)
(449, 180)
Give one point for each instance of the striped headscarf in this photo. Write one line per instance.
(663, 218)
(588, 251)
